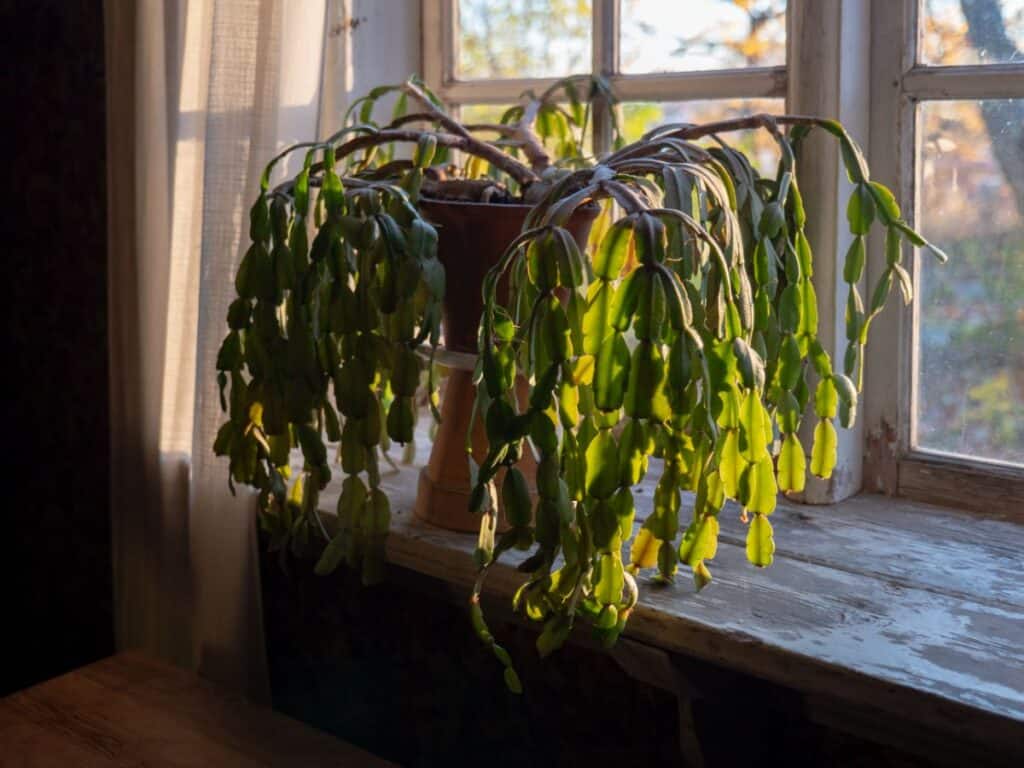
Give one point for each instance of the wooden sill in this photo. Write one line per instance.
(885, 605)
(993, 491)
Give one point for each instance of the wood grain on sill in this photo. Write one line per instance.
(999, 495)
(888, 604)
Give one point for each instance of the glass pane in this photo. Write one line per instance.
(475, 114)
(971, 332)
(523, 38)
(638, 117)
(957, 32)
(659, 36)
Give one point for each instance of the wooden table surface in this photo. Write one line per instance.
(130, 710)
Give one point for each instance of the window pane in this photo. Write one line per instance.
(971, 332)
(520, 38)
(957, 32)
(659, 36)
(474, 114)
(638, 117)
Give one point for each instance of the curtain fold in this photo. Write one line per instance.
(138, 114)
(201, 94)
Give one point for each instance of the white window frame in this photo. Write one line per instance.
(853, 60)
(894, 462)
(440, 57)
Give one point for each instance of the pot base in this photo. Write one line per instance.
(471, 240)
(447, 507)
(442, 498)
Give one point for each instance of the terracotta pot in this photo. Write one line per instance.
(471, 239)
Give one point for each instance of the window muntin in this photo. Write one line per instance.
(969, 336)
(700, 35)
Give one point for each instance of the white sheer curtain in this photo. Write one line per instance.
(202, 92)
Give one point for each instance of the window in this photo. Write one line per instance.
(516, 40)
(970, 349)
(934, 89)
(732, 59)
(958, 110)
(688, 37)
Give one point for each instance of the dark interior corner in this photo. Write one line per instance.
(58, 590)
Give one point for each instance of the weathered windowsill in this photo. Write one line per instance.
(885, 605)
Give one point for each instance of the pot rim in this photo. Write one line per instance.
(588, 207)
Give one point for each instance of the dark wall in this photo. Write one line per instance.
(397, 670)
(57, 599)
